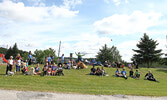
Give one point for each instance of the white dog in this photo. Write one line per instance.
(11, 73)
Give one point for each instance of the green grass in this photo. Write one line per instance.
(77, 81)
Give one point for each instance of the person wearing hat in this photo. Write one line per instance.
(9, 65)
(123, 73)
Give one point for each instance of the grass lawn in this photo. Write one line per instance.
(77, 81)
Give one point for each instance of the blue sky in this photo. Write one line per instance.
(82, 25)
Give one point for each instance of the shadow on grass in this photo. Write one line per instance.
(2, 74)
(162, 70)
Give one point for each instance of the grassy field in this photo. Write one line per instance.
(77, 81)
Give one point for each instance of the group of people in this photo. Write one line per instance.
(136, 75)
(98, 71)
(50, 67)
(53, 70)
(123, 73)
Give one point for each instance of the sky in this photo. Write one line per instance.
(82, 25)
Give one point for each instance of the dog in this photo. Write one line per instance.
(9, 73)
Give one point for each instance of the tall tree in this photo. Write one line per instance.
(147, 53)
(106, 53)
(9, 53)
(15, 50)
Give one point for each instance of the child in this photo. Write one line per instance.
(93, 71)
(37, 70)
(131, 73)
(103, 72)
(98, 71)
(123, 72)
(49, 68)
(24, 70)
(60, 69)
(54, 69)
(45, 69)
(117, 73)
(137, 74)
(18, 64)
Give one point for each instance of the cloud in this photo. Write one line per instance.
(71, 3)
(125, 49)
(162, 45)
(116, 2)
(137, 22)
(19, 12)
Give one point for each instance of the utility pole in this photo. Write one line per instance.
(59, 52)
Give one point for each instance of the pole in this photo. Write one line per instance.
(59, 52)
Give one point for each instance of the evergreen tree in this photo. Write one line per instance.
(8, 53)
(15, 50)
(106, 53)
(147, 53)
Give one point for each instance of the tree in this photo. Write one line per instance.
(15, 50)
(106, 53)
(3, 50)
(41, 54)
(147, 53)
(9, 53)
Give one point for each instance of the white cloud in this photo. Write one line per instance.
(125, 49)
(87, 43)
(127, 24)
(162, 45)
(20, 12)
(71, 3)
(116, 2)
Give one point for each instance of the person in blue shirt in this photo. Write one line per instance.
(123, 73)
(49, 59)
(117, 73)
(37, 70)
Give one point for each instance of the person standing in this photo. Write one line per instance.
(10, 64)
(29, 58)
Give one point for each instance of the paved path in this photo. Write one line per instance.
(29, 95)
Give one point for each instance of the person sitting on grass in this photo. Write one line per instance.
(103, 72)
(149, 76)
(67, 65)
(54, 69)
(37, 70)
(137, 74)
(49, 68)
(123, 73)
(98, 71)
(117, 73)
(131, 73)
(24, 68)
(93, 71)
(45, 69)
(59, 70)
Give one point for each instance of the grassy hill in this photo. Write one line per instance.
(77, 81)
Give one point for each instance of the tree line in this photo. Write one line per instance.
(146, 55)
